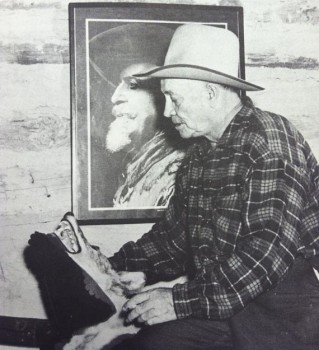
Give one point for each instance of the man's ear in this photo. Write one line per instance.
(213, 93)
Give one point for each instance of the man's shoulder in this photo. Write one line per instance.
(281, 135)
(265, 134)
(265, 123)
(270, 122)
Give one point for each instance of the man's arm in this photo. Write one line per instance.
(264, 234)
(160, 253)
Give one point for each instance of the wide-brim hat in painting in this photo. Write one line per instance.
(202, 52)
(113, 50)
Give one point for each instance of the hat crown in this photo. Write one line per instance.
(114, 49)
(206, 46)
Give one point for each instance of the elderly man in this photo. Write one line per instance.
(243, 224)
(144, 157)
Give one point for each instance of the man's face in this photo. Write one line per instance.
(132, 105)
(188, 104)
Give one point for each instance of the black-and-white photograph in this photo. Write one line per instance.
(134, 151)
(128, 168)
(159, 175)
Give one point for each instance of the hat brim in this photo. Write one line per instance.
(115, 49)
(193, 72)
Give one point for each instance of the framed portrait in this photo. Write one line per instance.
(125, 154)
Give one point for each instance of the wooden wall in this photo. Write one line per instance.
(282, 52)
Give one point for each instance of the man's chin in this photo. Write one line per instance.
(116, 148)
(117, 145)
(118, 137)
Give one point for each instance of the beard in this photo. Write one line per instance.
(119, 134)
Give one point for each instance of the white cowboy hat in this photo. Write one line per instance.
(117, 48)
(202, 52)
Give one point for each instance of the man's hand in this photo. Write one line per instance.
(132, 282)
(151, 307)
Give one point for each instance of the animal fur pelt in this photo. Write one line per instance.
(98, 322)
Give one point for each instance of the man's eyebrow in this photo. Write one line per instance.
(129, 78)
(132, 80)
(167, 92)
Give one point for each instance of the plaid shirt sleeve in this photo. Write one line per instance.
(260, 223)
(160, 253)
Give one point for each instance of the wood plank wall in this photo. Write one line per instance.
(282, 52)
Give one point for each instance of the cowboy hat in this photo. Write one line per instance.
(202, 52)
(111, 51)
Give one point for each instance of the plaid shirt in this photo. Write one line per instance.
(241, 213)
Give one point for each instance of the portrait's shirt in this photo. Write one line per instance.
(240, 215)
(149, 177)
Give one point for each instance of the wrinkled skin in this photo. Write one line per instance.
(151, 307)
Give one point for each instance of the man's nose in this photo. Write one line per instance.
(118, 95)
(169, 110)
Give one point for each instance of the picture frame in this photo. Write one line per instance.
(106, 181)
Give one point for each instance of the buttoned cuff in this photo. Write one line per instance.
(186, 301)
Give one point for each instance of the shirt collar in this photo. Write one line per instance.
(240, 121)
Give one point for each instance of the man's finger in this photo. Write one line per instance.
(131, 277)
(135, 300)
(154, 320)
(147, 316)
(125, 277)
(138, 311)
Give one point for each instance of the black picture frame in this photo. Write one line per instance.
(94, 173)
